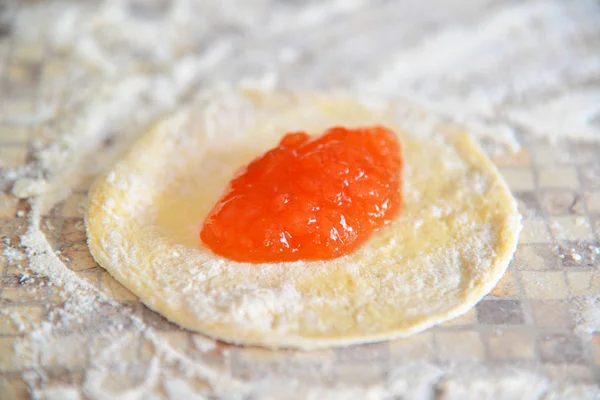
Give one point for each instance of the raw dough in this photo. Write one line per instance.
(451, 244)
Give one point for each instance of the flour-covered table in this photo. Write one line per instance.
(81, 80)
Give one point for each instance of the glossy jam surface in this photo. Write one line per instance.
(309, 198)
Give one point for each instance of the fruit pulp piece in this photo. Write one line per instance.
(309, 198)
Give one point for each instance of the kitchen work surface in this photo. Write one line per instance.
(80, 81)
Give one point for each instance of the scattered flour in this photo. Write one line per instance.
(14, 255)
(57, 393)
(203, 344)
(26, 187)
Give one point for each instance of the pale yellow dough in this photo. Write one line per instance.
(451, 244)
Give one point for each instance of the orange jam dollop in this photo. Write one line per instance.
(309, 198)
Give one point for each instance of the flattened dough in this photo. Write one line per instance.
(451, 244)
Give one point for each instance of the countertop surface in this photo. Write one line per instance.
(81, 80)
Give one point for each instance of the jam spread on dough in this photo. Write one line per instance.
(309, 198)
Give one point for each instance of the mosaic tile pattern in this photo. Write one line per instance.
(500, 312)
(530, 317)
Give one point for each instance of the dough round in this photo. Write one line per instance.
(450, 245)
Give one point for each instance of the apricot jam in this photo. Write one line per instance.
(309, 198)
